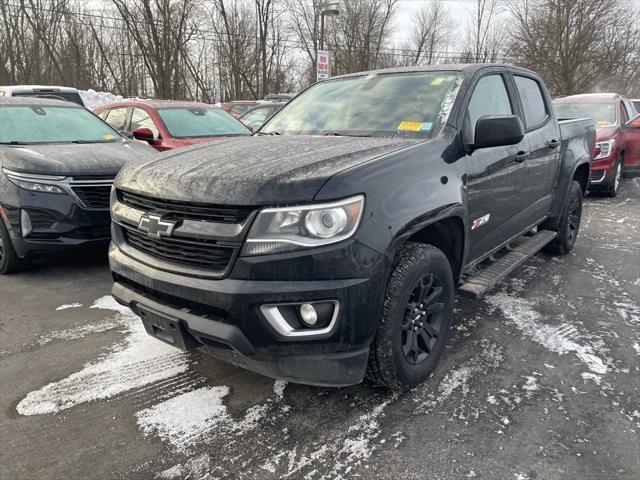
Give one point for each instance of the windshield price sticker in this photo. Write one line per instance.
(410, 126)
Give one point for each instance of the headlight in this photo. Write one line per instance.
(33, 182)
(38, 187)
(606, 148)
(286, 229)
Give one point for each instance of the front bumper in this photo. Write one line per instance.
(224, 317)
(59, 222)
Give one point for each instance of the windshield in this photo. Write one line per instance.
(200, 122)
(415, 105)
(52, 124)
(601, 113)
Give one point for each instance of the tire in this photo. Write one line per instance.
(569, 223)
(9, 261)
(416, 318)
(614, 183)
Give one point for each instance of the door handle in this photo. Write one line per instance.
(521, 157)
(553, 144)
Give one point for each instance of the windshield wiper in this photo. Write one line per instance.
(91, 141)
(269, 133)
(336, 134)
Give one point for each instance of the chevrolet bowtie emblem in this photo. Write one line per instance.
(154, 226)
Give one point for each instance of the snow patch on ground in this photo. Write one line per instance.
(80, 331)
(93, 99)
(71, 305)
(135, 362)
(557, 339)
(185, 419)
(194, 468)
(195, 416)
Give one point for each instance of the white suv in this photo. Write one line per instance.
(59, 93)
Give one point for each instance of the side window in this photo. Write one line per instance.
(141, 119)
(103, 114)
(117, 118)
(631, 110)
(535, 109)
(490, 97)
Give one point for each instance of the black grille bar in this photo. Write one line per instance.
(185, 210)
(95, 197)
(196, 253)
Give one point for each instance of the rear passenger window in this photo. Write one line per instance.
(535, 110)
(117, 118)
(490, 97)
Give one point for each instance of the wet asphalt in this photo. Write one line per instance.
(540, 380)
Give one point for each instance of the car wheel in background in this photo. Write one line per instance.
(9, 261)
(416, 317)
(614, 183)
(569, 222)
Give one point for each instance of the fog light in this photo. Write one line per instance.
(25, 223)
(308, 314)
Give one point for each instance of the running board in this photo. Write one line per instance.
(487, 278)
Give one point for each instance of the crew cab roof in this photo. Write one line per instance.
(23, 88)
(465, 68)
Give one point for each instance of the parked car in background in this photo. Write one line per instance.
(255, 117)
(329, 244)
(44, 91)
(618, 136)
(238, 107)
(57, 163)
(166, 124)
(279, 97)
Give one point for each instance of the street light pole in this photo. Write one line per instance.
(325, 11)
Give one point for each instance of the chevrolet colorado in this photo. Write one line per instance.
(327, 246)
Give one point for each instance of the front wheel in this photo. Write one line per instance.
(614, 183)
(416, 318)
(569, 223)
(9, 260)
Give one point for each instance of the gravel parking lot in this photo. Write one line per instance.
(541, 380)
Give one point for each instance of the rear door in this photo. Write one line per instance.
(497, 176)
(543, 135)
(632, 138)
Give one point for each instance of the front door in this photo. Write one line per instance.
(497, 176)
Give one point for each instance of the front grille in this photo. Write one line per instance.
(185, 210)
(204, 254)
(94, 197)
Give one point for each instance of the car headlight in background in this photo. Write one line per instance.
(34, 183)
(606, 148)
(286, 229)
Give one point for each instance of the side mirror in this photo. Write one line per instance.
(497, 131)
(144, 134)
(635, 123)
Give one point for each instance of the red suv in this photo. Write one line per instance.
(166, 124)
(617, 135)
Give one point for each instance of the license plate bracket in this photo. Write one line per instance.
(165, 328)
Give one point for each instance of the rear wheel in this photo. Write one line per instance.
(9, 261)
(569, 223)
(614, 182)
(416, 318)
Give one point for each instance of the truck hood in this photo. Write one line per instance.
(72, 159)
(255, 170)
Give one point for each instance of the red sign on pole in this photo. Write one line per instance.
(322, 65)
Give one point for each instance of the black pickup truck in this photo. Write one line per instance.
(328, 246)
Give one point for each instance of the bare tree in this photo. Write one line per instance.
(430, 35)
(578, 45)
(486, 35)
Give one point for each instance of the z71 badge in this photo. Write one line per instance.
(478, 222)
